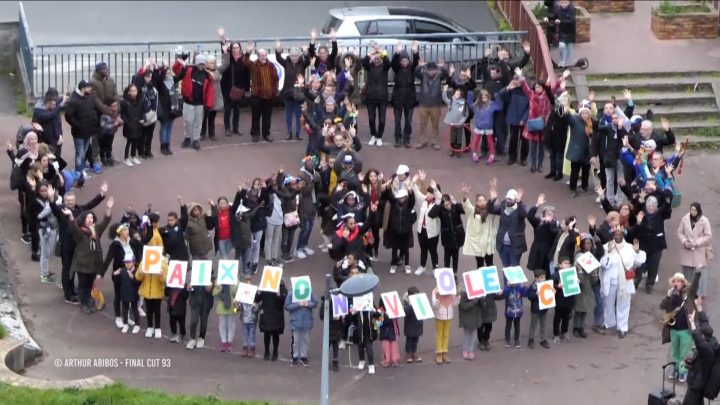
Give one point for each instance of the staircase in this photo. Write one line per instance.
(689, 101)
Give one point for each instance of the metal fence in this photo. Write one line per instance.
(521, 17)
(26, 48)
(64, 65)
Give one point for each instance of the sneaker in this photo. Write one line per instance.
(507, 344)
(361, 365)
(393, 269)
(408, 270)
(378, 142)
(125, 328)
(673, 376)
(26, 238)
(308, 251)
(372, 141)
(564, 338)
(335, 366)
(300, 254)
(200, 343)
(196, 145)
(288, 259)
(47, 278)
(304, 362)
(72, 301)
(186, 143)
(149, 332)
(131, 322)
(87, 310)
(294, 363)
(129, 163)
(475, 157)
(174, 339)
(682, 378)
(491, 159)
(556, 340)
(531, 343)
(517, 344)
(135, 160)
(190, 344)
(118, 322)
(158, 333)
(371, 369)
(86, 174)
(420, 271)
(545, 344)
(136, 329)
(97, 168)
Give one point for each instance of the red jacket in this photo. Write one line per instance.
(539, 107)
(186, 87)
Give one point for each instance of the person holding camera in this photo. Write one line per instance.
(198, 94)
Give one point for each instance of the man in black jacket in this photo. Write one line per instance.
(605, 151)
(706, 346)
(173, 237)
(294, 64)
(403, 96)
(81, 114)
(376, 64)
(651, 232)
(510, 240)
(67, 243)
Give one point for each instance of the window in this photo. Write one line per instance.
(388, 27)
(362, 26)
(427, 27)
(333, 23)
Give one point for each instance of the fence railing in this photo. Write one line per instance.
(521, 17)
(26, 48)
(63, 65)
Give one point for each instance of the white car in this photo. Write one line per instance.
(360, 26)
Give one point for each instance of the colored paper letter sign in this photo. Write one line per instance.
(570, 282)
(246, 293)
(201, 273)
(152, 259)
(491, 281)
(393, 307)
(473, 284)
(177, 272)
(445, 280)
(546, 294)
(588, 262)
(340, 305)
(363, 302)
(301, 288)
(421, 306)
(515, 275)
(227, 272)
(270, 280)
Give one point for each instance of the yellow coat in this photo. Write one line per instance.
(152, 286)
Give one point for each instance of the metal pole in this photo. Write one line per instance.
(325, 371)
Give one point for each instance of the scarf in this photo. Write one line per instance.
(90, 231)
(510, 210)
(588, 127)
(225, 296)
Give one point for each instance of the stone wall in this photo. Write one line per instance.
(9, 39)
(582, 26)
(685, 26)
(607, 6)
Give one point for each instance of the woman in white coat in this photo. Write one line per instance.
(481, 228)
(695, 234)
(616, 279)
(428, 223)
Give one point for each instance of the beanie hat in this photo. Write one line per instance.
(100, 66)
(200, 60)
(511, 194)
(404, 55)
(538, 273)
(330, 100)
(83, 84)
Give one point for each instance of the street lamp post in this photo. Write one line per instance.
(352, 287)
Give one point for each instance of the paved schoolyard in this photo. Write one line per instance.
(600, 370)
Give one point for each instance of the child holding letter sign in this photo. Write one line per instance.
(537, 315)
(513, 294)
(443, 308)
(563, 305)
(585, 303)
(152, 290)
(388, 334)
(248, 314)
(412, 327)
(300, 305)
(337, 330)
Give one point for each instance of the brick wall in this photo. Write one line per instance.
(582, 27)
(607, 6)
(688, 26)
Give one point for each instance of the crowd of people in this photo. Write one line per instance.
(358, 208)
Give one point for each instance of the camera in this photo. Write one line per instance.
(182, 54)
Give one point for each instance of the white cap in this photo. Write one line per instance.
(129, 257)
(649, 144)
(401, 193)
(402, 169)
(511, 194)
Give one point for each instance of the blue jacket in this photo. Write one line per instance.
(518, 106)
(484, 115)
(513, 301)
(301, 318)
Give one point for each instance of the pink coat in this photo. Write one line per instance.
(539, 107)
(701, 236)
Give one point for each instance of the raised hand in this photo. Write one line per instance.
(591, 96)
(104, 188)
(250, 46)
(180, 200)
(451, 71)
(313, 35)
(441, 62)
(626, 141)
(51, 192)
(541, 199)
(526, 46)
(465, 189)
(399, 47)
(488, 52)
(518, 72)
(110, 203)
(640, 216)
(433, 184)
(519, 194)
(627, 94)
(566, 74)
(278, 45)
(422, 174)
(300, 79)
(281, 169)
(9, 146)
(332, 34)
(600, 191)
(414, 47)
(221, 32)
(665, 124)
(211, 202)
(669, 169)
(591, 220)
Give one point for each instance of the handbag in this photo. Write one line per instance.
(236, 93)
(629, 274)
(291, 219)
(536, 124)
(665, 334)
(98, 298)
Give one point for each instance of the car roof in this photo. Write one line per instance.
(370, 11)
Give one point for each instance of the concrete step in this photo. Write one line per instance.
(616, 87)
(681, 112)
(709, 128)
(641, 97)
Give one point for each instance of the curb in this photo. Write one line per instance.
(14, 353)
